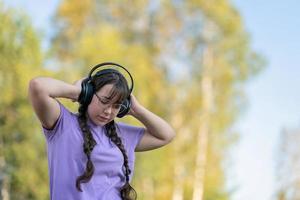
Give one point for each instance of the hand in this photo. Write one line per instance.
(135, 106)
(78, 82)
(78, 85)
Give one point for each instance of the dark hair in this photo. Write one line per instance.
(120, 90)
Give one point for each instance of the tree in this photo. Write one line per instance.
(190, 60)
(288, 165)
(22, 151)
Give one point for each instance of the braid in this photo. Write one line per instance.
(88, 146)
(127, 192)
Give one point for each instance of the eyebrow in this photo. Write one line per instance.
(103, 96)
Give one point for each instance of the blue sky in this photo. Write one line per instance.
(273, 96)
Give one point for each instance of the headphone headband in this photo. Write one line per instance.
(113, 64)
(87, 88)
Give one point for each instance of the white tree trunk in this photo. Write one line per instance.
(148, 187)
(202, 144)
(179, 168)
(178, 182)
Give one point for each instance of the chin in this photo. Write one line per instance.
(102, 123)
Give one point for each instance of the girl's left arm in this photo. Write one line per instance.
(158, 132)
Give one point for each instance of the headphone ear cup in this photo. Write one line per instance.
(87, 91)
(126, 104)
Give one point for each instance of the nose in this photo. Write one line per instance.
(108, 109)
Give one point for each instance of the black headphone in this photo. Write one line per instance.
(88, 90)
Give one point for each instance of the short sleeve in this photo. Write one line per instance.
(59, 124)
(131, 135)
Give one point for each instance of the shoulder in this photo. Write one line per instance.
(129, 133)
(124, 128)
(65, 120)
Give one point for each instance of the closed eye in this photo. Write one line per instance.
(104, 102)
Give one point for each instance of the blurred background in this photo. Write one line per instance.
(223, 73)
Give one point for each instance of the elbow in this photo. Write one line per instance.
(35, 86)
(171, 136)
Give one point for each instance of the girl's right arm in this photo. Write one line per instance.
(42, 94)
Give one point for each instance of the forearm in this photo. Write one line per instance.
(42, 94)
(155, 125)
(53, 88)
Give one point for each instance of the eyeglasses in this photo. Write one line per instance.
(103, 102)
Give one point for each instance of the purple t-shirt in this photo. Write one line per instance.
(67, 161)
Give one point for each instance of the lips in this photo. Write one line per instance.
(103, 118)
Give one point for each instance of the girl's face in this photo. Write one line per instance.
(102, 108)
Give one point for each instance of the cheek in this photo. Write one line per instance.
(93, 109)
